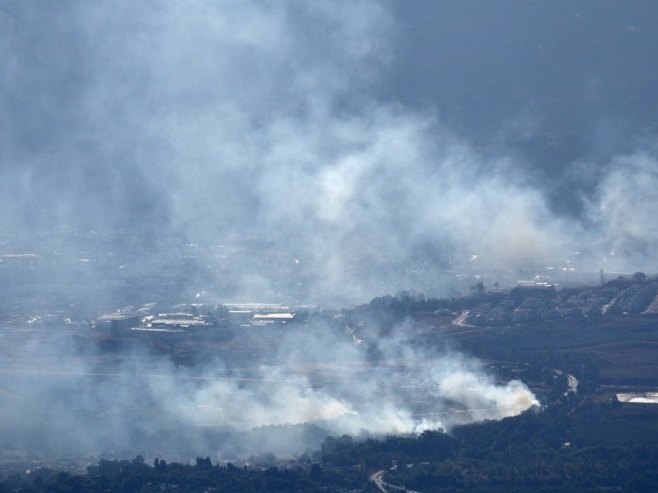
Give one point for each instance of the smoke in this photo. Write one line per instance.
(60, 399)
(624, 206)
(248, 151)
(225, 123)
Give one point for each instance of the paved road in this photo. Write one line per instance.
(383, 486)
(461, 319)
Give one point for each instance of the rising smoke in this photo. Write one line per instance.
(218, 122)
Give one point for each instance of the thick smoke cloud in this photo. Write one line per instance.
(317, 382)
(221, 121)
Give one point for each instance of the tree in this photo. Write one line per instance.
(479, 288)
(202, 463)
(316, 471)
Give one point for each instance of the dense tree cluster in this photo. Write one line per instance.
(124, 476)
(565, 448)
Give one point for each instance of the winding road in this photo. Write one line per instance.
(383, 486)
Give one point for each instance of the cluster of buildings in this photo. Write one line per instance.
(193, 317)
(530, 301)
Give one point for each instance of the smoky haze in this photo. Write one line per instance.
(310, 383)
(320, 152)
(385, 137)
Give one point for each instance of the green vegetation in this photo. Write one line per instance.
(573, 445)
(135, 476)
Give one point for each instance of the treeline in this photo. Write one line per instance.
(571, 446)
(590, 447)
(135, 476)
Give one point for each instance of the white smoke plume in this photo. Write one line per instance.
(57, 400)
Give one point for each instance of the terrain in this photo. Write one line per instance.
(575, 358)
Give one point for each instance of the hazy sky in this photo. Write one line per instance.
(516, 129)
(555, 81)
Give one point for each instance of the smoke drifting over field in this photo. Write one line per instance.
(321, 383)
